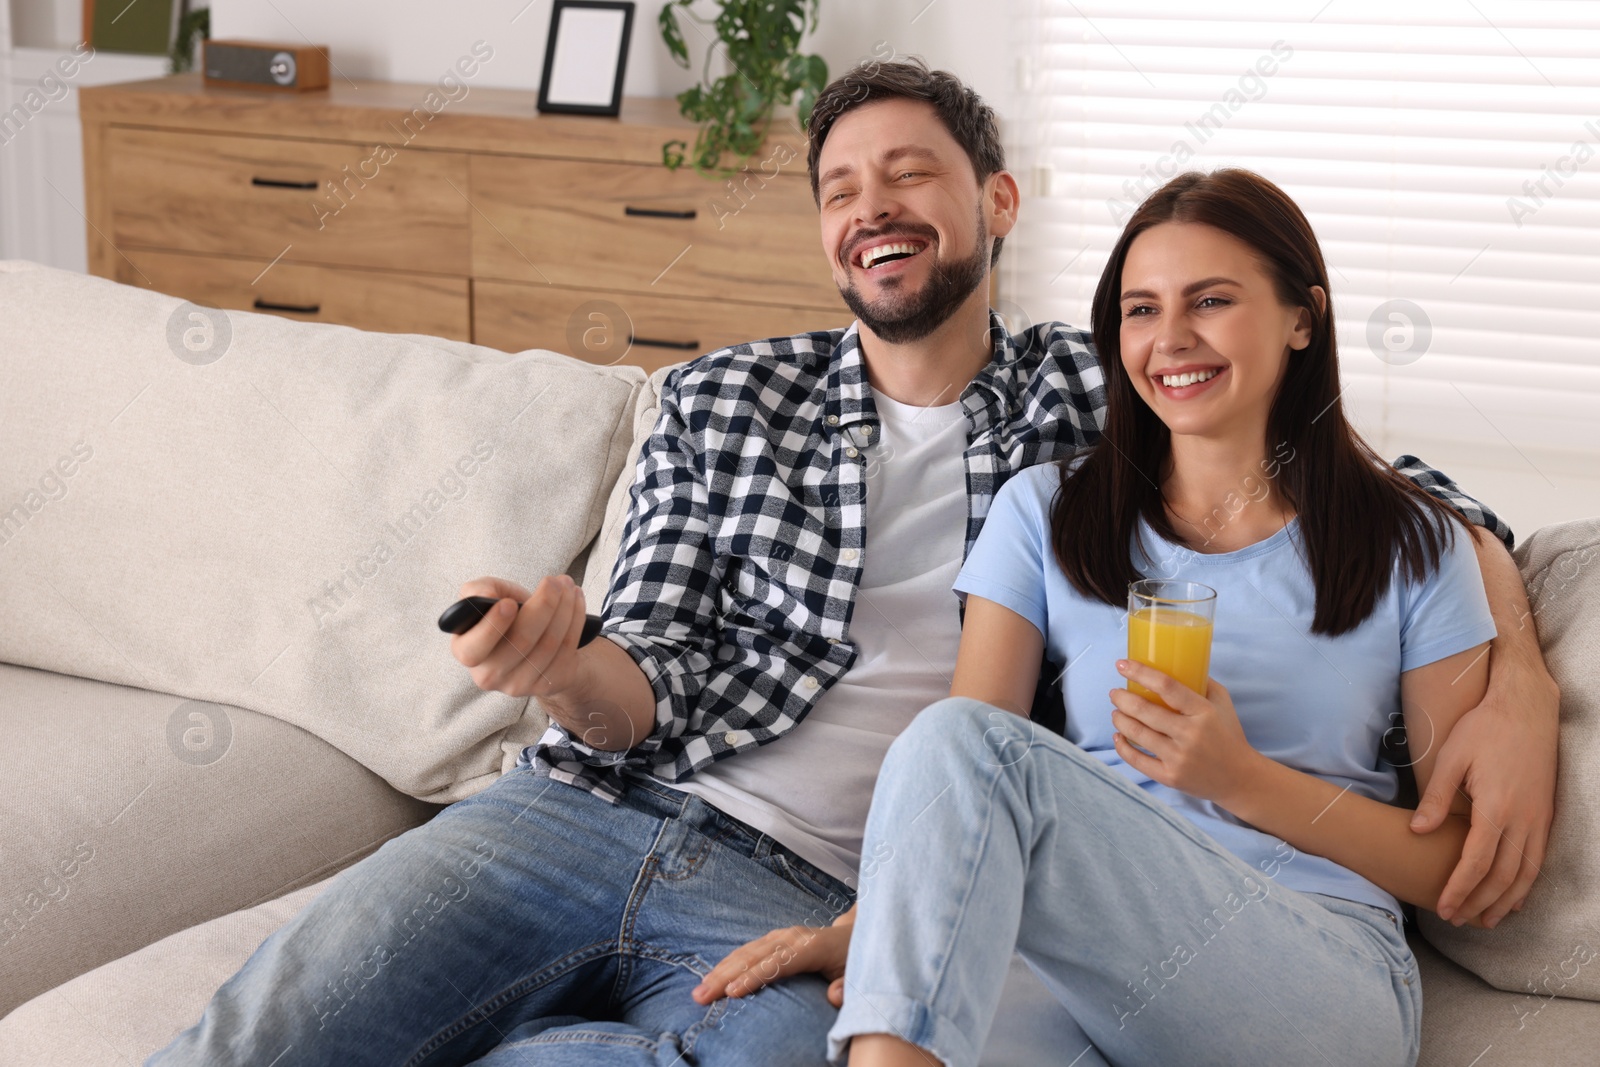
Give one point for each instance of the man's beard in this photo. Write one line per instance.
(900, 318)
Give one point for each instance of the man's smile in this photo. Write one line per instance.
(889, 251)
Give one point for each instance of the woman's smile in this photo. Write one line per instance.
(1182, 384)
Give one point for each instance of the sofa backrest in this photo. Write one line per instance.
(238, 508)
(1552, 946)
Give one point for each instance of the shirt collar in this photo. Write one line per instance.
(986, 398)
(849, 398)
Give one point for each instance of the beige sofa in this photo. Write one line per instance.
(223, 543)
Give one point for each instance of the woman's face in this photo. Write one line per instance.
(1204, 336)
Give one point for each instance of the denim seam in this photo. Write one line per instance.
(1378, 935)
(597, 1037)
(1369, 953)
(714, 1014)
(482, 1011)
(942, 969)
(630, 911)
(650, 871)
(801, 880)
(695, 860)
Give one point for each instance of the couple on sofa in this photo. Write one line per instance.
(795, 807)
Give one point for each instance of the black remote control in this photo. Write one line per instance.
(464, 614)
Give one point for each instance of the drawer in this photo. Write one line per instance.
(596, 326)
(623, 226)
(311, 202)
(370, 300)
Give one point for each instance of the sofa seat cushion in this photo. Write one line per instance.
(1466, 1021)
(1553, 944)
(126, 815)
(269, 514)
(122, 1012)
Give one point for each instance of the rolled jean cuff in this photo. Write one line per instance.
(905, 1018)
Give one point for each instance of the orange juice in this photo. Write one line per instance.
(1172, 641)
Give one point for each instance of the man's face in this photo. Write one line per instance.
(903, 218)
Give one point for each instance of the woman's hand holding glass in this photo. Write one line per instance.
(1198, 747)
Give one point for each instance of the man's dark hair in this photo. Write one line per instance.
(970, 121)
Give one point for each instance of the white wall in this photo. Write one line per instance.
(41, 164)
(45, 23)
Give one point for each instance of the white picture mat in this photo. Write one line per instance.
(588, 45)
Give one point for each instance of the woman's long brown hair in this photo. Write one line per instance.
(1357, 515)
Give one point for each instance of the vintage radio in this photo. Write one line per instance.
(260, 65)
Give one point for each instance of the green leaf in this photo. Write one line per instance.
(671, 34)
(672, 154)
(808, 100)
(817, 72)
(691, 105)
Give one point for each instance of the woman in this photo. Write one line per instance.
(1221, 883)
(1218, 882)
(1216, 885)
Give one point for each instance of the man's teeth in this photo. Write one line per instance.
(872, 255)
(1177, 381)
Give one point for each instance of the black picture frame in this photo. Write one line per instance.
(559, 101)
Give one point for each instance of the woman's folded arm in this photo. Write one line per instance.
(1371, 838)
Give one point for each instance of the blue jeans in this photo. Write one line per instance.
(988, 834)
(534, 925)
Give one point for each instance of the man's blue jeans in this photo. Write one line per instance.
(988, 833)
(534, 925)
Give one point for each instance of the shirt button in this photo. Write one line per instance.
(850, 555)
(734, 737)
(833, 420)
(833, 640)
(811, 683)
(852, 452)
(867, 430)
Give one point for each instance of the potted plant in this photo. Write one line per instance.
(761, 39)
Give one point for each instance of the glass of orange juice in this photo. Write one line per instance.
(1169, 628)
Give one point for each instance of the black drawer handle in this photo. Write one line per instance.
(279, 183)
(299, 309)
(658, 213)
(652, 342)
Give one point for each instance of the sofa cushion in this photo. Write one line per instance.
(608, 545)
(270, 514)
(593, 567)
(1552, 946)
(122, 1012)
(126, 815)
(601, 555)
(1468, 1023)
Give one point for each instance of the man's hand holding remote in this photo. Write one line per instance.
(597, 692)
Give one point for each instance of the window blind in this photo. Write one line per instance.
(1447, 154)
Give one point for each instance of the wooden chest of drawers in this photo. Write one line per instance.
(491, 223)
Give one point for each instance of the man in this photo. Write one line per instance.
(629, 851)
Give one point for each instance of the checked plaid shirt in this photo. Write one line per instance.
(746, 534)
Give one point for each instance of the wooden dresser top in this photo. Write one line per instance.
(486, 119)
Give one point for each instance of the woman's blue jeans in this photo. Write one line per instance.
(988, 834)
(533, 925)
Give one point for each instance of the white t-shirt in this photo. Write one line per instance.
(810, 789)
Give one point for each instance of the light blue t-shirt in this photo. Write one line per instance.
(1318, 704)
